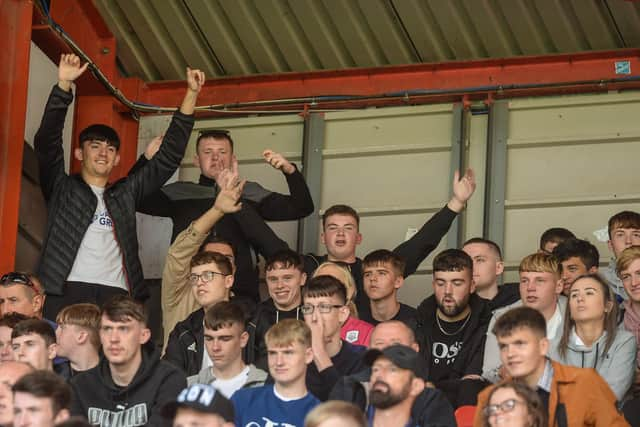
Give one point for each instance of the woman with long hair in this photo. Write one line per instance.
(354, 330)
(591, 337)
(513, 404)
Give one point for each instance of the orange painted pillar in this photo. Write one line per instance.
(15, 43)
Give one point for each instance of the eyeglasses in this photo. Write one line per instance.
(21, 278)
(322, 308)
(506, 406)
(206, 276)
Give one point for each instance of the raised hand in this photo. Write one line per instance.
(195, 80)
(69, 69)
(278, 161)
(230, 191)
(463, 189)
(153, 147)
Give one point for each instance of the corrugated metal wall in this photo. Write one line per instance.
(571, 162)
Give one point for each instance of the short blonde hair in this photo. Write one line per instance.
(287, 332)
(626, 258)
(335, 409)
(346, 278)
(84, 315)
(540, 263)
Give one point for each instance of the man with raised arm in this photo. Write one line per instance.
(183, 201)
(341, 235)
(90, 251)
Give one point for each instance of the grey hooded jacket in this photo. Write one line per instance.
(256, 377)
(616, 366)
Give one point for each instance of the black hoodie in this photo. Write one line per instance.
(104, 403)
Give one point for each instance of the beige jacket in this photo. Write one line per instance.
(177, 299)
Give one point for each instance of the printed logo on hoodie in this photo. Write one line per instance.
(131, 417)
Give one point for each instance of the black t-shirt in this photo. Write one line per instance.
(406, 314)
(445, 346)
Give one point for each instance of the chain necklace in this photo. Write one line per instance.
(456, 332)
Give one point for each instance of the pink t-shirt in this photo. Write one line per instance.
(356, 331)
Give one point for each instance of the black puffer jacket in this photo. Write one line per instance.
(71, 203)
(98, 398)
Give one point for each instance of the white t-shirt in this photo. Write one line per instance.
(230, 386)
(99, 259)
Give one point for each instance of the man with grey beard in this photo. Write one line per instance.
(396, 385)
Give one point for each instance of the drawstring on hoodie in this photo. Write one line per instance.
(297, 314)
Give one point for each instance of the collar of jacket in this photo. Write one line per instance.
(209, 182)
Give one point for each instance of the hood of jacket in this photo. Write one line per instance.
(150, 360)
(255, 378)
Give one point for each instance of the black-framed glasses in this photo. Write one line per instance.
(506, 406)
(17, 277)
(322, 308)
(206, 276)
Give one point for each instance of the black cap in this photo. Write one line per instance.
(202, 398)
(400, 355)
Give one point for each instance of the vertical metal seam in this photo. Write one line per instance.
(496, 172)
(312, 144)
(457, 163)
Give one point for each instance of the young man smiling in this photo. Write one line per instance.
(287, 401)
(211, 279)
(225, 337)
(285, 277)
(130, 384)
(571, 396)
(90, 251)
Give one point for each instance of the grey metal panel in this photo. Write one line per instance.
(496, 171)
(289, 35)
(312, 161)
(626, 16)
(240, 37)
(457, 159)
(222, 37)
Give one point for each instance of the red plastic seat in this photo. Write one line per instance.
(464, 415)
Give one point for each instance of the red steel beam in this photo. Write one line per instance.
(94, 104)
(15, 43)
(562, 70)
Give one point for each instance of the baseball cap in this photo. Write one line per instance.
(400, 355)
(202, 398)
